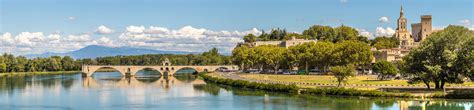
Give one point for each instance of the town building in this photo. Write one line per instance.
(285, 43)
(419, 32)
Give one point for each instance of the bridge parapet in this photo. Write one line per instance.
(164, 70)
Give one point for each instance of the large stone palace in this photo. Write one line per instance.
(285, 43)
(408, 41)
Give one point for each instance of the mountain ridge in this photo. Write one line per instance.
(94, 51)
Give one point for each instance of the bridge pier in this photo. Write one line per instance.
(129, 75)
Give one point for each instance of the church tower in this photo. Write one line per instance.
(402, 33)
(401, 26)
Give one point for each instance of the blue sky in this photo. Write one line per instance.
(72, 18)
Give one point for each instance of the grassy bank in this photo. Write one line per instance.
(38, 73)
(250, 85)
(294, 89)
(328, 79)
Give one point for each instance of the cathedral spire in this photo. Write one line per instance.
(401, 11)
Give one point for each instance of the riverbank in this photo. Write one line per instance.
(38, 73)
(365, 82)
(294, 89)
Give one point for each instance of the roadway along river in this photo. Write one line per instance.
(111, 91)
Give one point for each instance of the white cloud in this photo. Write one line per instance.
(365, 33)
(343, 1)
(103, 30)
(187, 38)
(6, 39)
(104, 41)
(135, 29)
(383, 19)
(37, 42)
(465, 22)
(72, 18)
(380, 31)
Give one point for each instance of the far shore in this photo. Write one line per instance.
(38, 73)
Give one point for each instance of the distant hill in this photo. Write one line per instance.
(94, 51)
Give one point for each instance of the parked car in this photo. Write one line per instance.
(251, 71)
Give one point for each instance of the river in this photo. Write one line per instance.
(111, 91)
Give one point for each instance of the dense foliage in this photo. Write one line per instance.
(342, 73)
(385, 70)
(353, 92)
(294, 89)
(11, 63)
(319, 32)
(250, 85)
(206, 58)
(319, 55)
(385, 42)
(444, 57)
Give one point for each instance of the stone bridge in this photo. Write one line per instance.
(164, 70)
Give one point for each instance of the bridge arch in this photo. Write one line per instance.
(164, 70)
(91, 70)
(136, 70)
(183, 69)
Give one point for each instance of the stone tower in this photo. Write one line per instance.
(166, 62)
(426, 27)
(423, 29)
(402, 33)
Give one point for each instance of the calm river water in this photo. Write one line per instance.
(111, 91)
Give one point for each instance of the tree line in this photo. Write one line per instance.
(212, 57)
(446, 56)
(322, 33)
(10, 63)
(321, 55)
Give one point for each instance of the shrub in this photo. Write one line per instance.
(252, 85)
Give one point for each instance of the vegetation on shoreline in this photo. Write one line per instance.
(293, 89)
(38, 73)
(445, 57)
(369, 80)
(252, 85)
(18, 64)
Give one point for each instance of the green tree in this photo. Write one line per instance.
(385, 69)
(385, 42)
(322, 33)
(353, 52)
(302, 54)
(52, 64)
(434, 61)
(465, 61)
(31, 66)
(323, 54)
(3, 67)
(270, 55)
(290, 36)
(342, 73)
(345, 33)
(241, 57)
(250, 38)
(67, 63)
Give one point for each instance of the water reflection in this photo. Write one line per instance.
(110, 90)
